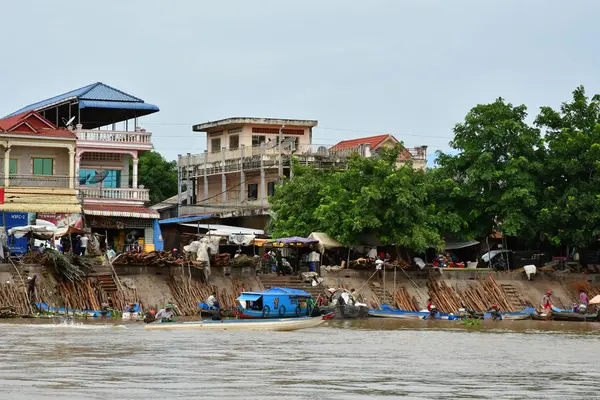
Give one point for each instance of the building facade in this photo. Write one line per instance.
(246, 157)
(106, 142)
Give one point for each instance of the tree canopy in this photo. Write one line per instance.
(538, 181)
(158, 175)
(372, 196)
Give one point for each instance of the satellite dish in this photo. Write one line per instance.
(69, 122)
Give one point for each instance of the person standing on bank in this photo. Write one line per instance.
(84, 244)
(31, 288)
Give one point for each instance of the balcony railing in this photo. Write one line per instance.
(46, 181)
(114, 193)
(272, 150)
(140, 136)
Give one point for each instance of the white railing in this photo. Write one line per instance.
(140, 136)
(114, 193)
(268, 151)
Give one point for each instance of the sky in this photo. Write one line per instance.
(361, 68)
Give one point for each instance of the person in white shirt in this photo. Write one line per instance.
(211, 300)
(372, 254)
(84, 243)
(313, 261)
(379, 264)
(166, 314)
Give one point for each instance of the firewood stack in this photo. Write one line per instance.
(13, 299)
(220, 260)
(90, 295)
(479, 296)
(154, 258)
(404, 301)
(245, 261)
(187, 293)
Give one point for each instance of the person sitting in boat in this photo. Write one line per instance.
(104, 309)
(166, 314)
(131, 308)
(433, 311)
(150, 316)
(429, 304)
(546, 302)
(494, 310)
(217, 314)
(583, 299)
(212, 299)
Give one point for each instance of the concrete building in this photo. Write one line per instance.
(106, 142)
(246, 157)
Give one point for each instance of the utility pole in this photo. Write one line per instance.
(281, 151)
(178, 183)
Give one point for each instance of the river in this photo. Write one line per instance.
(342, 360)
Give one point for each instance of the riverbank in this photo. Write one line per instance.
(156, 286)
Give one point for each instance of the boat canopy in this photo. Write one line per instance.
(249, 297)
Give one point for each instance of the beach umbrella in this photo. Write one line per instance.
(595, 300)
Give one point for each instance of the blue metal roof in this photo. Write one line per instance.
(105, 97)
(178, 220)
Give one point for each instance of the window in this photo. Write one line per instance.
(215, 145)
(234, 142)
(12, 166)
(92, 177)
(100, 157)
(42, 166)
(253, 191)
(257, 140)
(271, 188)
(113, 179)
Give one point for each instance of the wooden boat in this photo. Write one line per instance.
(133, 312)
(559, 314)
(43, 307)
(404, 314)
(280, 324)
(274, 303)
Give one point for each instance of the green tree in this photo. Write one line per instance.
(158, 175)
(495, 171)
(372, 196)
(570, 214)
(294, 203)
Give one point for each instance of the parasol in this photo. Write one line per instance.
(595, 300)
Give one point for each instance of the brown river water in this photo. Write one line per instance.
(342, 360)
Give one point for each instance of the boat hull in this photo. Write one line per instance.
(283, 324)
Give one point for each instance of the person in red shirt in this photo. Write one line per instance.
(429, 304)
(546, 302)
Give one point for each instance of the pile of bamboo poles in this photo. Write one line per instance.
(187, 293)
(479, 296)
(88, 295)
(15, 297)
(404, 301)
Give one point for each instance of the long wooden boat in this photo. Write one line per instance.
(281, 324)
(559, 314)
(274, 303)
(405, 314)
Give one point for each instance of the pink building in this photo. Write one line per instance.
(109, 141)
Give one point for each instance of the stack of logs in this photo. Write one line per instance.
(88, 295)
(14, 297)
(479, 296)
(244, 261)
(188, 293)
(404, 301)
(220, 260)
(153, 258)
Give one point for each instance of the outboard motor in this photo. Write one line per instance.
(462, 313)
(149, 317)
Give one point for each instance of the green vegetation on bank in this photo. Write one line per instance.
(539, 182)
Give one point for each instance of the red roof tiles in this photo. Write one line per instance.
(31, 123)
(372, 141)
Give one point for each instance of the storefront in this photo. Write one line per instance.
(124, 228)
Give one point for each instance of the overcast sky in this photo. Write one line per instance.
(411, 68)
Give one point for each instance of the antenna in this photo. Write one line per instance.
(69, 122)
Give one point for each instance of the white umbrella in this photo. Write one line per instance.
(595, 300)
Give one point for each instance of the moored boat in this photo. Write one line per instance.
(280, 324)
(274, 303)
(43, 307)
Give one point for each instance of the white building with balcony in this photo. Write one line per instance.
(246, 157)
(104, 122)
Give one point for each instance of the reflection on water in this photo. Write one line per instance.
(343, 360)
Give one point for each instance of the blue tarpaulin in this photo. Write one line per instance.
(159, 243)
(179, 220)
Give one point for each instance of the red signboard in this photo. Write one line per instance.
(1, 195)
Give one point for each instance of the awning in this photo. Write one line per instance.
(33, 200)
(460, 245)
(120, 211)
(179, 220)
(227, 229)
(325, 241)
(249, 297)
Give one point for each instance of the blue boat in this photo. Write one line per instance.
(388, 312)
(78, 313)
(274, 303)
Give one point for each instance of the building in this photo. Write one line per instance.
(246, 157)
(38, 173)
(106, 142)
